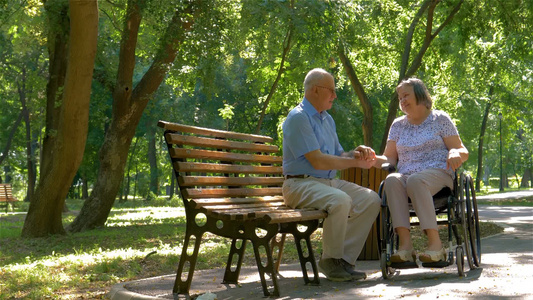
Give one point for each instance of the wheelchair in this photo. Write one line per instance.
(460, 206)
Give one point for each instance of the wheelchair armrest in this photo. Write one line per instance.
(388, 167)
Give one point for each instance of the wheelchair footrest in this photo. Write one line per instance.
(438, 264)
(404, 265)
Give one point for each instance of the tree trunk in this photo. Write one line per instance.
(7, 172)
(152, 158)
(128, 176)
(407, 70)
(10, 138)
(57, 12)
(68, 143)
(128, 106)
(368, 114)
(29, 153)
(135, 181)
(479, 172)
(172, 188)
(84, 187)
(527, 179)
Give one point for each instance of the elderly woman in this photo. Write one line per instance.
(426, 148)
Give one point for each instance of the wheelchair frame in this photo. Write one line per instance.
(460, 205)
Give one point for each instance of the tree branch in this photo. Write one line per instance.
(286, 49)
(363, 98)
(409, 38)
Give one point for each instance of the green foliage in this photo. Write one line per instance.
(232, 57)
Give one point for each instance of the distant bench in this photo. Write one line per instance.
(230, 184)
(6, 196)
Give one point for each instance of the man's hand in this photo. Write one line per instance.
(364, 153)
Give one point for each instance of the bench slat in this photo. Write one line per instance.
(228, 208)
(237, 192)
(293, 216)
(271, 213)
(228, 181)
(239, 214)
(227, 201)
(214, 132)
(251, 211)
(225, 168)
(178, 139)
(224, 156)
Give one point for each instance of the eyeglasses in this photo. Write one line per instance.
(328, 88)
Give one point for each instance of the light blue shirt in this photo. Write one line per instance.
(306, 130)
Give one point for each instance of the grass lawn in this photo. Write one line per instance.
(141, 239)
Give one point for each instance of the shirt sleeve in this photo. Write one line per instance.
(300, 137)
(394, 131)
(446, 125)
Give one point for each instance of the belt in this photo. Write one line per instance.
(295, 176)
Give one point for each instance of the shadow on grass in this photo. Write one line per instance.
(16, 249)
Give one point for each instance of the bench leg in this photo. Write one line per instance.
(279, 245)
(232, 276)
(180, 286)
(306, 255)
(263, 243)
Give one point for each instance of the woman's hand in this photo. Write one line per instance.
(457, 153)
(454, 160)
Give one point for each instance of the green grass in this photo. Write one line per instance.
(141, 239)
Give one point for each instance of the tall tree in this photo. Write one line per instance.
(66, 137)
(482, 140)
(409, 66)
(129, 102)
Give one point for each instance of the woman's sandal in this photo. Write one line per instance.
(402, 256)
(430, 256)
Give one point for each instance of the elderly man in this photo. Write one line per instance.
(311, 155)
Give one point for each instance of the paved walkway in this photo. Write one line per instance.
(506, 272)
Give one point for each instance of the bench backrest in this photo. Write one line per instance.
(223, 168)
(6, 193)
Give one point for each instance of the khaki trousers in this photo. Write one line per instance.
(352, 210)
(420, 187)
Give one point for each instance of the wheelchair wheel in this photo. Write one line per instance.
(474, 235)
(463, 218)
(460, 260)
(387, 239)
(386, 270)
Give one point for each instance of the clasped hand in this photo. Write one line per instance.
(364, 153)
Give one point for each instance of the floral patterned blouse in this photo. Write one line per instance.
(422, 147)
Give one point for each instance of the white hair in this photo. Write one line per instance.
(314, 76)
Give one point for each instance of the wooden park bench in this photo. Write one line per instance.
(6, 196)
(230, 184)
